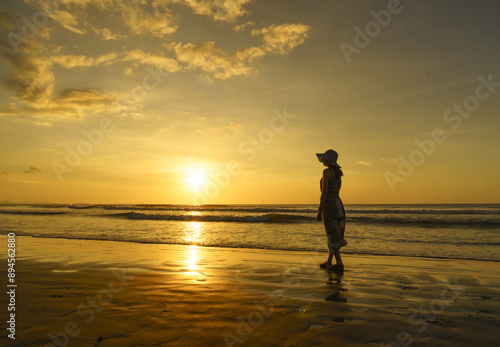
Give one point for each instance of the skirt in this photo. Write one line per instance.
(334, 220)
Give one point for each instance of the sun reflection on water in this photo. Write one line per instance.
(193, 258)
(193, 235)
(193, 232)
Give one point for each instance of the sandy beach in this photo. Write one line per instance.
(102, 293)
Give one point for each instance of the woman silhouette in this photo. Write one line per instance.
(331, 209)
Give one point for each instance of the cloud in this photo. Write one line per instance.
(33, 82)
(222, 130)
(140, 22)
(71, 61)
(234, 127)
(46, 116)
(33, 170)
(219, 10)
(84, 97)
(211, 59)
(25, 114)
(106, 34)
(44, 102)
(67, 20)
(218, 64)
(9, 110)
(6, 20)
(54, 10)
(106, 59)
(364, 163)
(283, 38)
(165, 131)
(160, 61)
(6, 173)
(137, 15)
(242, 27)
(157, 19)
(32, 79)
(152, 18)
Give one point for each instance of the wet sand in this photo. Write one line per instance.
(102, 293)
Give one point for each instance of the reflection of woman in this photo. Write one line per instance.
(331, 210)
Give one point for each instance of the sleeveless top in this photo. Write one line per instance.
(334, 185)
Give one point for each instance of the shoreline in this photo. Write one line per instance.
(305, 252)
(131, 294)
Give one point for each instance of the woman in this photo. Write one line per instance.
(331, 210)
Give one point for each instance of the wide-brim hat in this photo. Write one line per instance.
(331, 156)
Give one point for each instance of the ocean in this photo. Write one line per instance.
(430, 231)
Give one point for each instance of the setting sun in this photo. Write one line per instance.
(196, 178)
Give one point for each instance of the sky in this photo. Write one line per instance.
(227, 101)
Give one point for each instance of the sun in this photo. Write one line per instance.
(196, 178)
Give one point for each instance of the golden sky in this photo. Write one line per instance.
(227, 101)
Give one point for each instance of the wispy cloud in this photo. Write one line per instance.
(211, 59)
(364, 163)
(283, 38)
(242, 27)
(137, 15)
(33, 170)
(84, 97)
(106, 34)
(71, 61)
(234, 127)
(68, 21)
(160, 61)
(220, 10)
(158, 23)
(221, 65)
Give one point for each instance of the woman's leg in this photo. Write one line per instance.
(343, 242)
(338, 259)
(328, 241)
(335, 229)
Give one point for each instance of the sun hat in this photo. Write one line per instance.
(331, 156)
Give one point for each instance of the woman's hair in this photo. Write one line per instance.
(337, 170)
